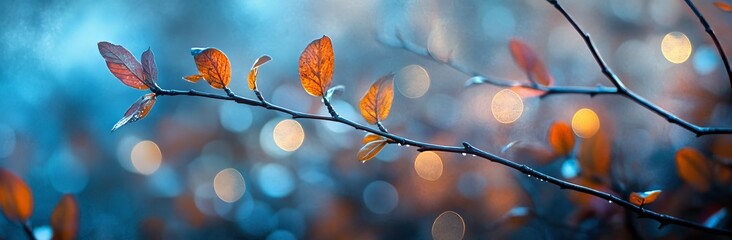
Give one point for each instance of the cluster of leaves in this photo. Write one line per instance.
(16, 203)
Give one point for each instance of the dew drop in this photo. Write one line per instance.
(609, 201)
(465, 154)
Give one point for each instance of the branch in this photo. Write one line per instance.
(466, 148)
(618, 89)
(711, 33)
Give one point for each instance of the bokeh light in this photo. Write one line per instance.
(146, 157)
(507, 106)
(288, 135)
(275, 180)
(585, 123)
(676, 47)
(380, 197)
(229, 185)
(235, 117)
(412, 81)
(428, 165)
(448, 226)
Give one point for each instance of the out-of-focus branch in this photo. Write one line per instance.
(618, 89)
(466, 149)
(708, 29)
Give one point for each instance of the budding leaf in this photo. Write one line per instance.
(137, 111)
(123, 65)
(65, 219)
(16, 199)
(334, 91)
(316, 66)
(252, 77)
(376, 104)
(642, 198)
(213, 66)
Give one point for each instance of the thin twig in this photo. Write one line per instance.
(466, 148)
(28, 231)
(618, 89)
(708, 29)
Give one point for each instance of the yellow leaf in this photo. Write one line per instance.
(252, 78)
(316, 66)
(372, 145)
(213, 65)
(642, 198)
(561, 138)
(693, 168)
(65, 219)
(16, 199)
(376, 104)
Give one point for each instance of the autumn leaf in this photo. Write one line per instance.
(594, 155)
(723, 6)
(693, 168)
(316, 66)
(149, 68)
(123, 65)
(213, 66)
(372, 146)
(252, 78)
(65, 219)
(561, 138)
(193, 78)
(137, 111)
(16, 199)
(530, 63)
(376, 104)
(642, 198)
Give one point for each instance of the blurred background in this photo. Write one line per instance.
(202, 168)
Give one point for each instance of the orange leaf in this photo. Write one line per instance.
(561, 138)
(594, 155)
(642, 198)
(213, 65)
(123, 65)
(376, 104)
(372, 145)
(65, 219)
(693, 167)
(16, 199)
(316, 66)
(137, 111)
(528, 61)
(525, 92)
(370, 137)
(255, 69)
(149, 68)
(724, 6)
(193, 78)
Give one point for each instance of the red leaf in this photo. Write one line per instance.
(149, 68)
(137, 111)
(16, 199)
(65, 219)
(528, 61)
(123, 65)
(642, 198)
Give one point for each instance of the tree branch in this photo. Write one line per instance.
(466, 148)
(618, 89)
(708, 29)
